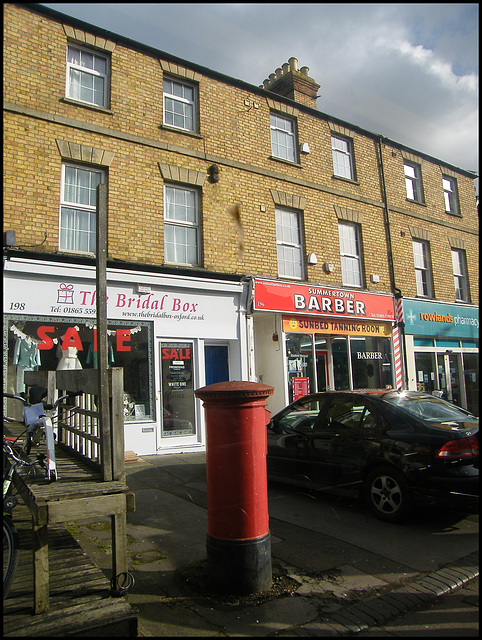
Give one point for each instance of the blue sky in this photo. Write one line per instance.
(406, 71)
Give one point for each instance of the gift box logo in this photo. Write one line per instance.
(65, 293)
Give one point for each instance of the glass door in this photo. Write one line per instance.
(177, 408)
(471, 374)
(449, 378)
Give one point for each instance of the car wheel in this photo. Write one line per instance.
(388, 495)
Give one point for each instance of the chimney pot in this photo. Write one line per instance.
(279, 72)
(293, 62)
(271, 77)
(286, 68)
(304, 70)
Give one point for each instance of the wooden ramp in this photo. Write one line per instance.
(80, 600)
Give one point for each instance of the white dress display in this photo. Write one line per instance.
(68, 358)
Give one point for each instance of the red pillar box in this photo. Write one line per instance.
(238, 539)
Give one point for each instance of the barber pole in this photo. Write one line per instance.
(398, 358)
(396, 343)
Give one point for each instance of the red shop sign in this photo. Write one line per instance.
(286, 297)
(301, 387)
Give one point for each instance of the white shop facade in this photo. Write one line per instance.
(171, 334)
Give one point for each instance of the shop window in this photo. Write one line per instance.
(283, 138)
(181, 225)
(339, 348)
(425, 371)
(78, 208)
(87, 76)
(180, 104)
(371, 363)
(299, 358)
(50, 344)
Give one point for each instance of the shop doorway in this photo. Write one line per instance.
(449, 378)
(322, 372)
(216, 363)
(177, 410)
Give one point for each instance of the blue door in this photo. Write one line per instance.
(216, 360)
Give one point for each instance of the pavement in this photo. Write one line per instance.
(337, 570)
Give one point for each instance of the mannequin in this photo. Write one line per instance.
(26, 356)
(68, 358)
(92, 356)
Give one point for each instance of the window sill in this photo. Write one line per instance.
(67, 252)
(416, 202)
(452, 213)
(86, 105)
(182, 265)
(349, 180)
(186, 132)
(288, 162)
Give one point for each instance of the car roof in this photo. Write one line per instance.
(377, 393)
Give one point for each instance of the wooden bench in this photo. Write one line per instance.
(91, 474)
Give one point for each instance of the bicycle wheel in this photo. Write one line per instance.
(10, 554)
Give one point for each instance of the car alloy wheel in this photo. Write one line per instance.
(388, 495)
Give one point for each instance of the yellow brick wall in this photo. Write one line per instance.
(234, 132)
(442, 228)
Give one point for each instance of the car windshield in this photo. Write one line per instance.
(431, 408)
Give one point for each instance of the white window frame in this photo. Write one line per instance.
(349, 234)
(87, 74)
(343, 160)
(77, 219)
(423, 272)
(180, 102)
(176, 252)
(461, 282)
(283, 137)
(289, 243)
(413, 181)
(450, 195)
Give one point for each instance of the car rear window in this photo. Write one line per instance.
(431, 409)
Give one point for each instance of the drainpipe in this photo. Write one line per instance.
(396, 290)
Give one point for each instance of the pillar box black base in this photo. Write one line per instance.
(238, 540)
(239, 567)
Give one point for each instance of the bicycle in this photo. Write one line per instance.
(39, 418)
(11, 547)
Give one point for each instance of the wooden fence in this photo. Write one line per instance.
(80, 428)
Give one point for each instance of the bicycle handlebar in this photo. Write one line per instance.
(69, 394)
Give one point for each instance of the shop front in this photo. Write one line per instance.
(170, 334)
(442, 350)
(310, 338)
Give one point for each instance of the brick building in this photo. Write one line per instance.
(250, 236)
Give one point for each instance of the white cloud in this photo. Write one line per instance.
(430, 63)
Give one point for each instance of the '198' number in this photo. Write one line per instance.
(17, 306)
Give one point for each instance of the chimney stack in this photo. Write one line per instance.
(293, 83)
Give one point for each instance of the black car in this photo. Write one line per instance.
(392, 447)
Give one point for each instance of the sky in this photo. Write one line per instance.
(406, 71)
